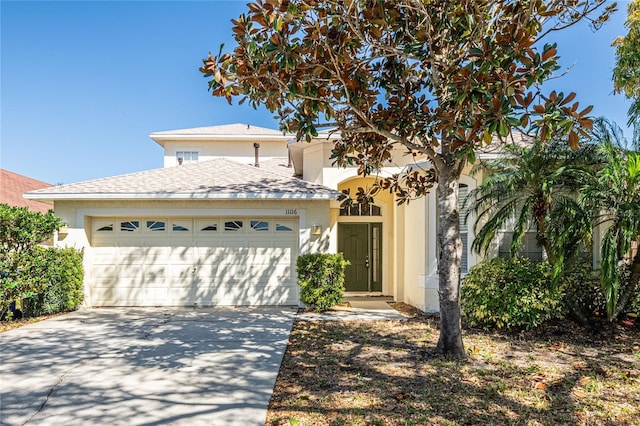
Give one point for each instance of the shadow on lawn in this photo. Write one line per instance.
(385, 373)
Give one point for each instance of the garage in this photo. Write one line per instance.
(193, 261)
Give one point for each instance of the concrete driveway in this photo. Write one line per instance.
(138, 366)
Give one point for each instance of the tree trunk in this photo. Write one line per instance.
(449, 259)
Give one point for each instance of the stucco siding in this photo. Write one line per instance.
(240, 151)
(313, 159)
(412, 240)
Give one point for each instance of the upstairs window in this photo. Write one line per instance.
(186, 157)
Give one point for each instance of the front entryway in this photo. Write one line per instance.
(361, 244)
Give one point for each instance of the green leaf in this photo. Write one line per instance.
(513, 121)
(503, 129)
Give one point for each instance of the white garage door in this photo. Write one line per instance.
(154, 261)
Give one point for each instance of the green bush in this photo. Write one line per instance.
(321, 279)
(61, 274)
(21, 230)
(634, 305)
(583, 291)
(513, 293)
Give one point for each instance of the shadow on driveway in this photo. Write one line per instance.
(139, 366)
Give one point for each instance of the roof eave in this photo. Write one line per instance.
(160, 139)
(179, 196)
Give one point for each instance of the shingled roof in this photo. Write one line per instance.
(234, 129)
(213, 179)
(13, 185)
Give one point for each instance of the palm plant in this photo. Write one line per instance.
(613, 197)
(521, 187)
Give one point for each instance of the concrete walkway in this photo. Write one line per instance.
(359, 309)
(138, 366)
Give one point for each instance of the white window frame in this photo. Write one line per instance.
(185, 151)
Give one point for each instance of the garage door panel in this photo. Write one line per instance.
(158, 242)
(156, 251)
(155, 273)
(181, 252)
(120, 296)
(105, 255)
(206, 293)
(185, 268)
(132, 255)
(234, 243)
(102, 243)
(244, 273)
(180, 272)
(107, 281)
(219, 253)
(257, 295)
(131, 271)
(157, 295)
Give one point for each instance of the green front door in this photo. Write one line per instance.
(361, 244)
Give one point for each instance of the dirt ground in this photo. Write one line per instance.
(385, 373)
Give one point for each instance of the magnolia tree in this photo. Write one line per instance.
(438, 78)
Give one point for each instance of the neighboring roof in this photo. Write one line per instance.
(213, 179)
(496, 146)
(13, 185)
(236, 131)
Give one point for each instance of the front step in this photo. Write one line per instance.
(366, 296)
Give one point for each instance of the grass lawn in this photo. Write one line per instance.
(383, 373)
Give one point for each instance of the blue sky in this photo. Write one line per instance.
(83, 83)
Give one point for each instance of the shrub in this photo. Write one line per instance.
(583, 291)
(61, 274)
(21, 230)
(321, 279)
(634, 305)
(513, 293)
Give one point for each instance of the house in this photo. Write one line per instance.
(223, 222)
(13, 185)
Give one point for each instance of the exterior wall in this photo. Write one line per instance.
(314, 160)
(241, 151)
(318, 166)
(412, 238)
(78, 215)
